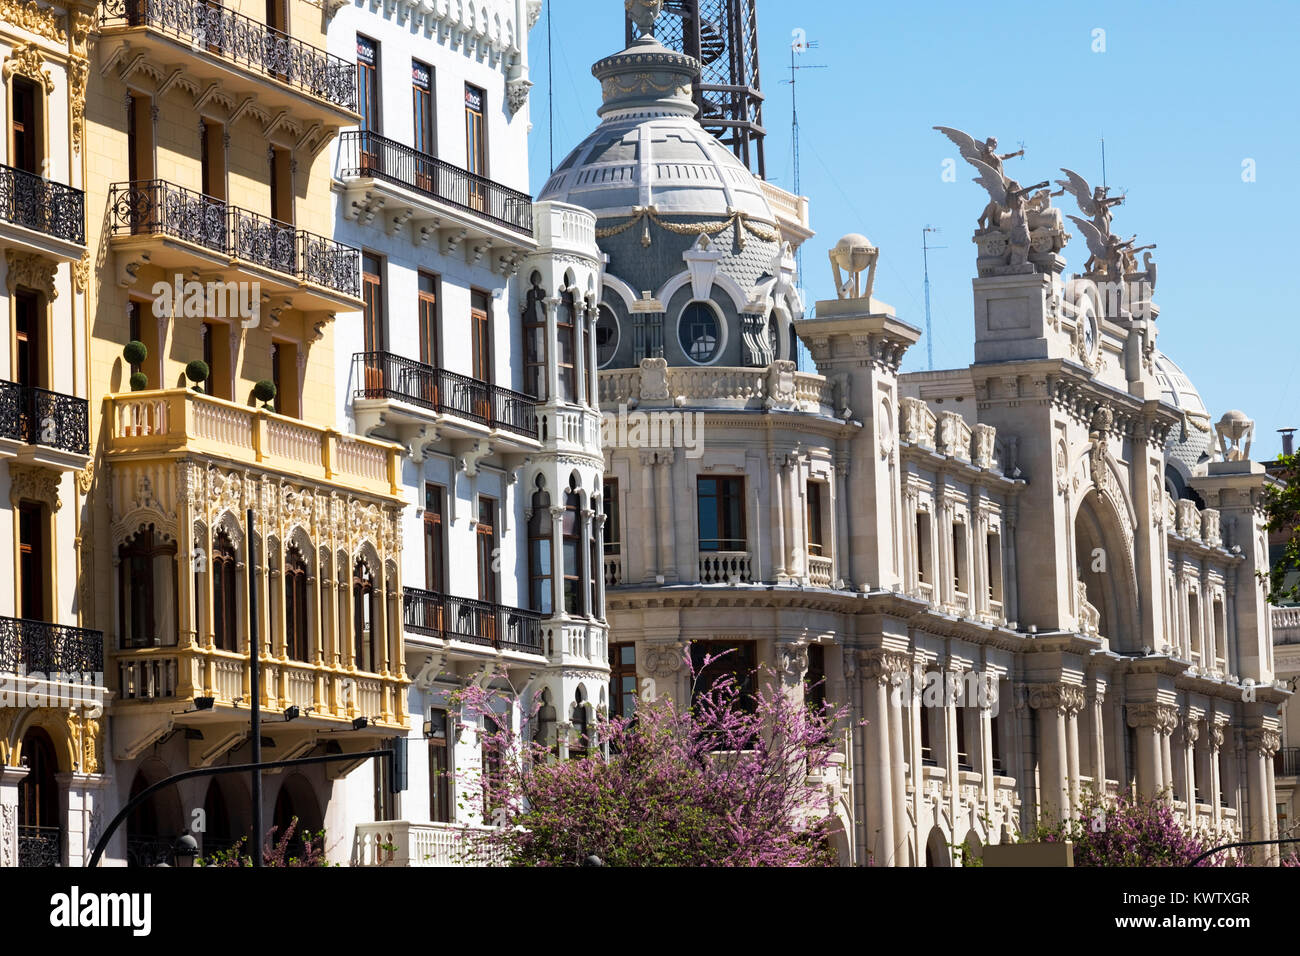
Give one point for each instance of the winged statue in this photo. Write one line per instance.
(974, 151)
(1007, 194)
(1093, 203)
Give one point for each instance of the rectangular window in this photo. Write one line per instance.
(963, 753)
(481, 336)
(28, 140)
(816, 545)
(29, 361)
(281, 176)
(959, 575)
(927, 746)
(475, 146)
(736, 661)
(814, 681)
(216, 352)
(372, 291)
(439, 734)
(284, 368)
(535, 343)
(609, 501)
(144, 329)
(995, 571)
(995, 740)
(368, 83)
(486, 535)
(212, 160)
(139, 145)
(566, 350)
(430, 354)
(435, 554)
(33, 559)
(622, 679)
(721, 513)
(924, 571)
(540, 545)
(422, 111)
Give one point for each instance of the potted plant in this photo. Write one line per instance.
(197, 372)
(264, 392)
(135, 353)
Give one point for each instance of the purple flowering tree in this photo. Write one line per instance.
(723, 781)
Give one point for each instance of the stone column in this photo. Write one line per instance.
(899, 689)
(775, 468)
(10, 777)
(796, 561)
(552, 337)
(1049, 700)
(79, 796)
(876, 675)
(649, 506)
(557, 565)
(1097, 707)
(1261, 745)
(598, 530)
(665, 529)
(843, 542)
(1073, 700)
(1214, 743)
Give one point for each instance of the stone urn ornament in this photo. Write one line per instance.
(644, 13)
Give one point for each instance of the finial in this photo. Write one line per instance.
(644, 13)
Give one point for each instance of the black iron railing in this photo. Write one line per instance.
(150, 851)
(40, 846)
(385, 375)
(475, 622)
(365, 153)
(1286, 762)
(36, 416)
(157, 207)
(42, 205)
(210, 27)
(28, 646)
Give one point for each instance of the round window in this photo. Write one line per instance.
(699, 333)
(606, 336)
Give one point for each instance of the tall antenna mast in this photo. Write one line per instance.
(925, 259)
(550, 88)
(1103, 162)
(800, 45)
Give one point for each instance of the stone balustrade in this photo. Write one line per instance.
(778, 387)
(947, 434)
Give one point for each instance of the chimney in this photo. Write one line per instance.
(1288, 440)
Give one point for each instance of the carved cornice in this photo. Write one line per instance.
(31, 483)
(28, 60)
(42, 21)
(30, 270)
(893, 667)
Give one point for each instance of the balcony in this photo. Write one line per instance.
(720, 387)
(249, 60)
(726, 567)
(41, 216)
(1286, 762)
(449, 618)
(165, 225)
(401, 397)
(28, 647)
(44, 427)
(465, 212)
(399, 843)
(40, 846)
(613, 570)
(183, 421)
(819, 571)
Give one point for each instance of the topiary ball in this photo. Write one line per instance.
(139, 381)
(135, 352)
(197, 371)
(264, 391)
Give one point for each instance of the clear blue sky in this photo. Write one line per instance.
(1183, 94)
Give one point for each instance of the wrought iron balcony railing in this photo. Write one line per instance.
(207, 25)
(40, 846)
(36, 646)
(35, 416)
(1286, 762)
(385, 375)
(42, 205)
(366, 153)
(475, 622)
(157, 207)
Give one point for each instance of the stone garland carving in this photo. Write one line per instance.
(793, 659)
(41, 21)
(81, 274)
(30, 270)
(8, 834)
(649, 214)
(28, 60)
(34, 484)
(663, 661)
(78, 70)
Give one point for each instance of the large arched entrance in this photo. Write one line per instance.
(227, 816)
(153, 827)
(936, 849)
(40, 829)
(297, 798)
(1103, 566)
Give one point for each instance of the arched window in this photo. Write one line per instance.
(606, 336)
(567, 347)
(581, 725)
(147, 587)
(40, 835)
(698, 331)
(571, 529)
(535, 339)
(225, 607)
(540, 564)
(365, 618)
(296, 639)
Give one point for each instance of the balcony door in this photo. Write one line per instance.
(29, 343)
(368, 101)
(40, 834)
(28, 143)
(480, 322)
(485, 533)
(423, 133)
(372, 319)
(33, 561)
(475, 146)
(430, 352)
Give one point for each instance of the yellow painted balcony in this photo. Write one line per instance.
(173, 421)
(267, 70)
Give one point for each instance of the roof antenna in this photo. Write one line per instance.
(799, 44)
(1103, 162)
(925, 258)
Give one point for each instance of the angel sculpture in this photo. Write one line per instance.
(1009, 195)
(1093, 203)
(979, 155)
(1104, 246)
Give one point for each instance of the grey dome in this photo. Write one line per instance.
(649, 150)
(1188, 444)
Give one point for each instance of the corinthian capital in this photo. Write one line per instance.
(1161, 717)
